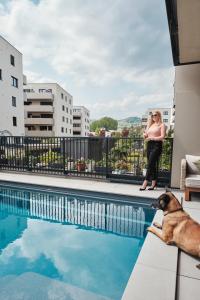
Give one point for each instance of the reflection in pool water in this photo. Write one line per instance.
(56, 246)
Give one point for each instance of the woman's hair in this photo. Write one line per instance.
(151, 121)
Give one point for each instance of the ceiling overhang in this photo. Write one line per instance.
(184, 27)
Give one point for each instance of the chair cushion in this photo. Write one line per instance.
(192, 160)
(193, 181)
(197, 164)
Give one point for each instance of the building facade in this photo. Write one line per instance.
(11, 89)
(81, 121)
(48, 110)
(167, 117)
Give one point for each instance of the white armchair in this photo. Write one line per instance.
(190, 175)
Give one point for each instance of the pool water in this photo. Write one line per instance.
(68, 246)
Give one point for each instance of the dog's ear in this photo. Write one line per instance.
(167, 189)
(164, 200)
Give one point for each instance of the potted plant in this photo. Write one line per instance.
(122, 167)
(81, 165)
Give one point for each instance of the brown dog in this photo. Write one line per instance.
(178, 228)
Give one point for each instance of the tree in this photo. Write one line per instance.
(106, 122)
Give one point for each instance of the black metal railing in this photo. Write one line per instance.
(113, 158)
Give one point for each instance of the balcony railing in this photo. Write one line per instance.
(39, 108)
(119, 159)
(38, 121)
(40, 96)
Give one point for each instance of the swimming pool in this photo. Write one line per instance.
(68, 245)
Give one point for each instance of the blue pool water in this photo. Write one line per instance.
(66, 245)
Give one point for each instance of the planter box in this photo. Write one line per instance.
(103, 170)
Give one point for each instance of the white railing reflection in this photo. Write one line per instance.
(123, 219)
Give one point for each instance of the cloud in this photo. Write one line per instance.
(91, 44)
(158, 92)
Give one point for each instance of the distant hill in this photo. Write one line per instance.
(128, 122)
(131, 120)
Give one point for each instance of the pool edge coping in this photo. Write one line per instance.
(133, 288)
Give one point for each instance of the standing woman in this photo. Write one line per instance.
(154, 134)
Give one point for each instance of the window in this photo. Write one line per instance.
(29, 91)
(14, 121)
(45, 90)
(70, 131)
(46, 103)
(49, 128)
(29, 127)
(14, 81)
(63, 108)
(67, 109)
(0, 74)
(144, 119)
(76, 125)
(76, 132)
(70, 101)
(165, 120)
(76, 117)
(66, 130)
(165, 112)
(63, 119)
(12, 60)
(62, 129)
(27, 102)
(62, 96)
(67, 120)
(70, 121)
(70, 112)
(43, 128)
(48, 116)
(14, 101)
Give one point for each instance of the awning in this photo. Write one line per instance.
(184, 26)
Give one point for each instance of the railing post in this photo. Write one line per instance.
(64, 141)
(106, 157)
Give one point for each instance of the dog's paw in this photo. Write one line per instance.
(198, 266)
(150, 229)
(157, 225)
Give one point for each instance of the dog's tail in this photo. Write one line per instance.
(198, 266)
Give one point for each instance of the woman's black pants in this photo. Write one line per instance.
(154, 150)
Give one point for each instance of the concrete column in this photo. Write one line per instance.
(187, 117)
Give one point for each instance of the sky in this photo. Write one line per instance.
(112, 56)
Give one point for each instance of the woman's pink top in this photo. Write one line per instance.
(156, 132)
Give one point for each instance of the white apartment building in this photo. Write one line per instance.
(11, 89)
(167, 117)
(48, 110)
(81, 121)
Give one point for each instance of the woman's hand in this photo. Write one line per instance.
(145, 135)
(149, 139)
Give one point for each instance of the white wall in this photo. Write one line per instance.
(58, 104)
(7, 91)
(84, 121)
(187, 118)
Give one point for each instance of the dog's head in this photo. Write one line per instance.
(166, 202)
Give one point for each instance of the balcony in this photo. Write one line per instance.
(39, 121)
(40, 96)
(39, 133)
(39, 108)
(77, 121)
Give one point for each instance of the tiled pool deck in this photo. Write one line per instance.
(161, 272)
